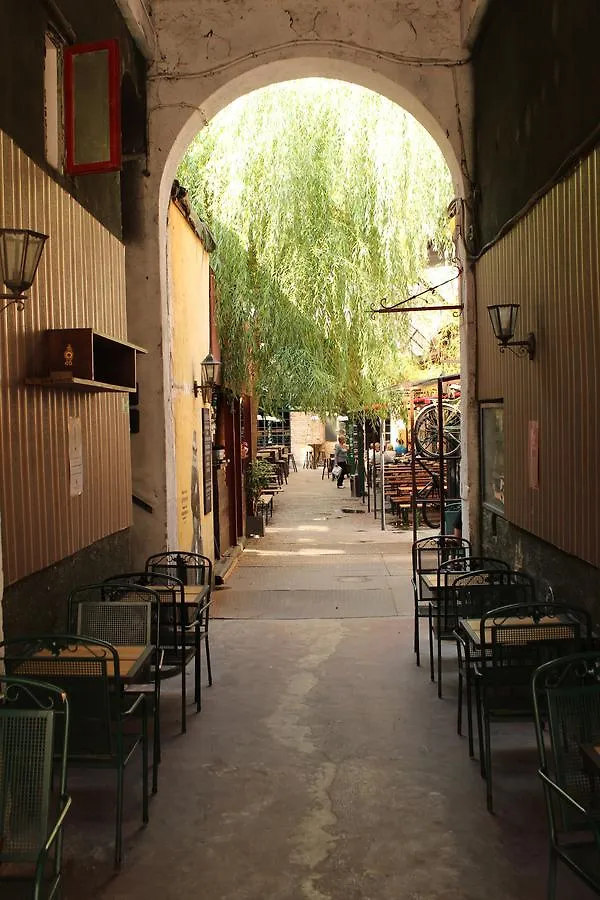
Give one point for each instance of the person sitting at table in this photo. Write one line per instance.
(400, 447)
(389, 454)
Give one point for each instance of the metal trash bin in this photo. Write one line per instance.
(353, 485)
(450, 512)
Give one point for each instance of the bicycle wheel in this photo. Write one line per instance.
(427, 435)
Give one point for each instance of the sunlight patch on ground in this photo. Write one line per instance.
(277, 529)
(312, 551)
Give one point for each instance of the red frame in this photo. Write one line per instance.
(113, 163)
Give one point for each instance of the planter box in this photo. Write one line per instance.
(255, 525)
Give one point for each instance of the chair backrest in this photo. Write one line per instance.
(189, 568)
(87, 671)
(566, 698)
(429, 553)
(126, 591)
(120, 623)
(473, 593)
(520, 638)
(34, 728)
(170, 617)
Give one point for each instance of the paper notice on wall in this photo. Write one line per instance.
(75, 457)
(534, 455)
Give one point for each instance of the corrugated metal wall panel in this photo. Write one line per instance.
(80, 283)
(550, 264)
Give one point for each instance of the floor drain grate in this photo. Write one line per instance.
(346, 509)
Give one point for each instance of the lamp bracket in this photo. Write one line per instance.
(521, 348)
(17, 299)
(205, 389)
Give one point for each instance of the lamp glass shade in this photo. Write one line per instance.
(504, 320)
(210, 367)
(20, 253)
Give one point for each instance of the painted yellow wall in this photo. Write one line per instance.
(189, 326)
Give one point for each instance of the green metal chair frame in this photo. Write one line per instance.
(190, 568)
(427, 556)
(472, 595)
(175, 650)
(121, 615)
(443, 614)
(566, 699)
(505, 668)
(98, 711)
(34, 731)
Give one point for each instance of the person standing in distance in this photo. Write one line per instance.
(341, 459)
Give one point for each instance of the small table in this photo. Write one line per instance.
(430, 579)
(132, 659)
(473, 631)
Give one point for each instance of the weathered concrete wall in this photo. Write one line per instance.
(192, 528)
(38, 604)
(536, 71)
(573, 580)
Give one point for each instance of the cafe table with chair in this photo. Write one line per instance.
(507, 645)
(107, 726)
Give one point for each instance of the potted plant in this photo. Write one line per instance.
(257, 478)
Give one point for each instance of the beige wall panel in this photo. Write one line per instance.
(550, 264)
(189, 316)
(80, 283)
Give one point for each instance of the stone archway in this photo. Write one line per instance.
(179, 104)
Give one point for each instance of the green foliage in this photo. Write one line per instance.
(257, 478)
(323, 198)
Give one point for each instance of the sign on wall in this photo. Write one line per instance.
(492, 456)
(206, 460)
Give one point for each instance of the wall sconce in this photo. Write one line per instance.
(209, 367)
(20, 254)
(504, 320)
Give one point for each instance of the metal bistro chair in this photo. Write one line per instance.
(124, 616)
(443, 616)
(515, 641)
(88, 672)
(566, 698)
(174, 651)
(427, 556)
(470, 597)
(191, 569)
(34, 731)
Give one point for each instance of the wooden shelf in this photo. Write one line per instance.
(82, 359)
(78, 384)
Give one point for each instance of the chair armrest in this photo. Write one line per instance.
(594, 822)
(141, 701)
(66, 802)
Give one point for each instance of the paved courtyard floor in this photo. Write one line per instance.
(322, 766)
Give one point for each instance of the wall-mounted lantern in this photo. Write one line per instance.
(20, 254)
(504, 321)
(210, 367)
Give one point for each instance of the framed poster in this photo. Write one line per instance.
(206, 459)
(492, 456)
(93, 107)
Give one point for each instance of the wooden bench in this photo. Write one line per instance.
(398, 487)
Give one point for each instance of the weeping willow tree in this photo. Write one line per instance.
(323, 198)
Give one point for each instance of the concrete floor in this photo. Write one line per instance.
(322, 766)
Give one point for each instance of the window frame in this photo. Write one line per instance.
(113, 163)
